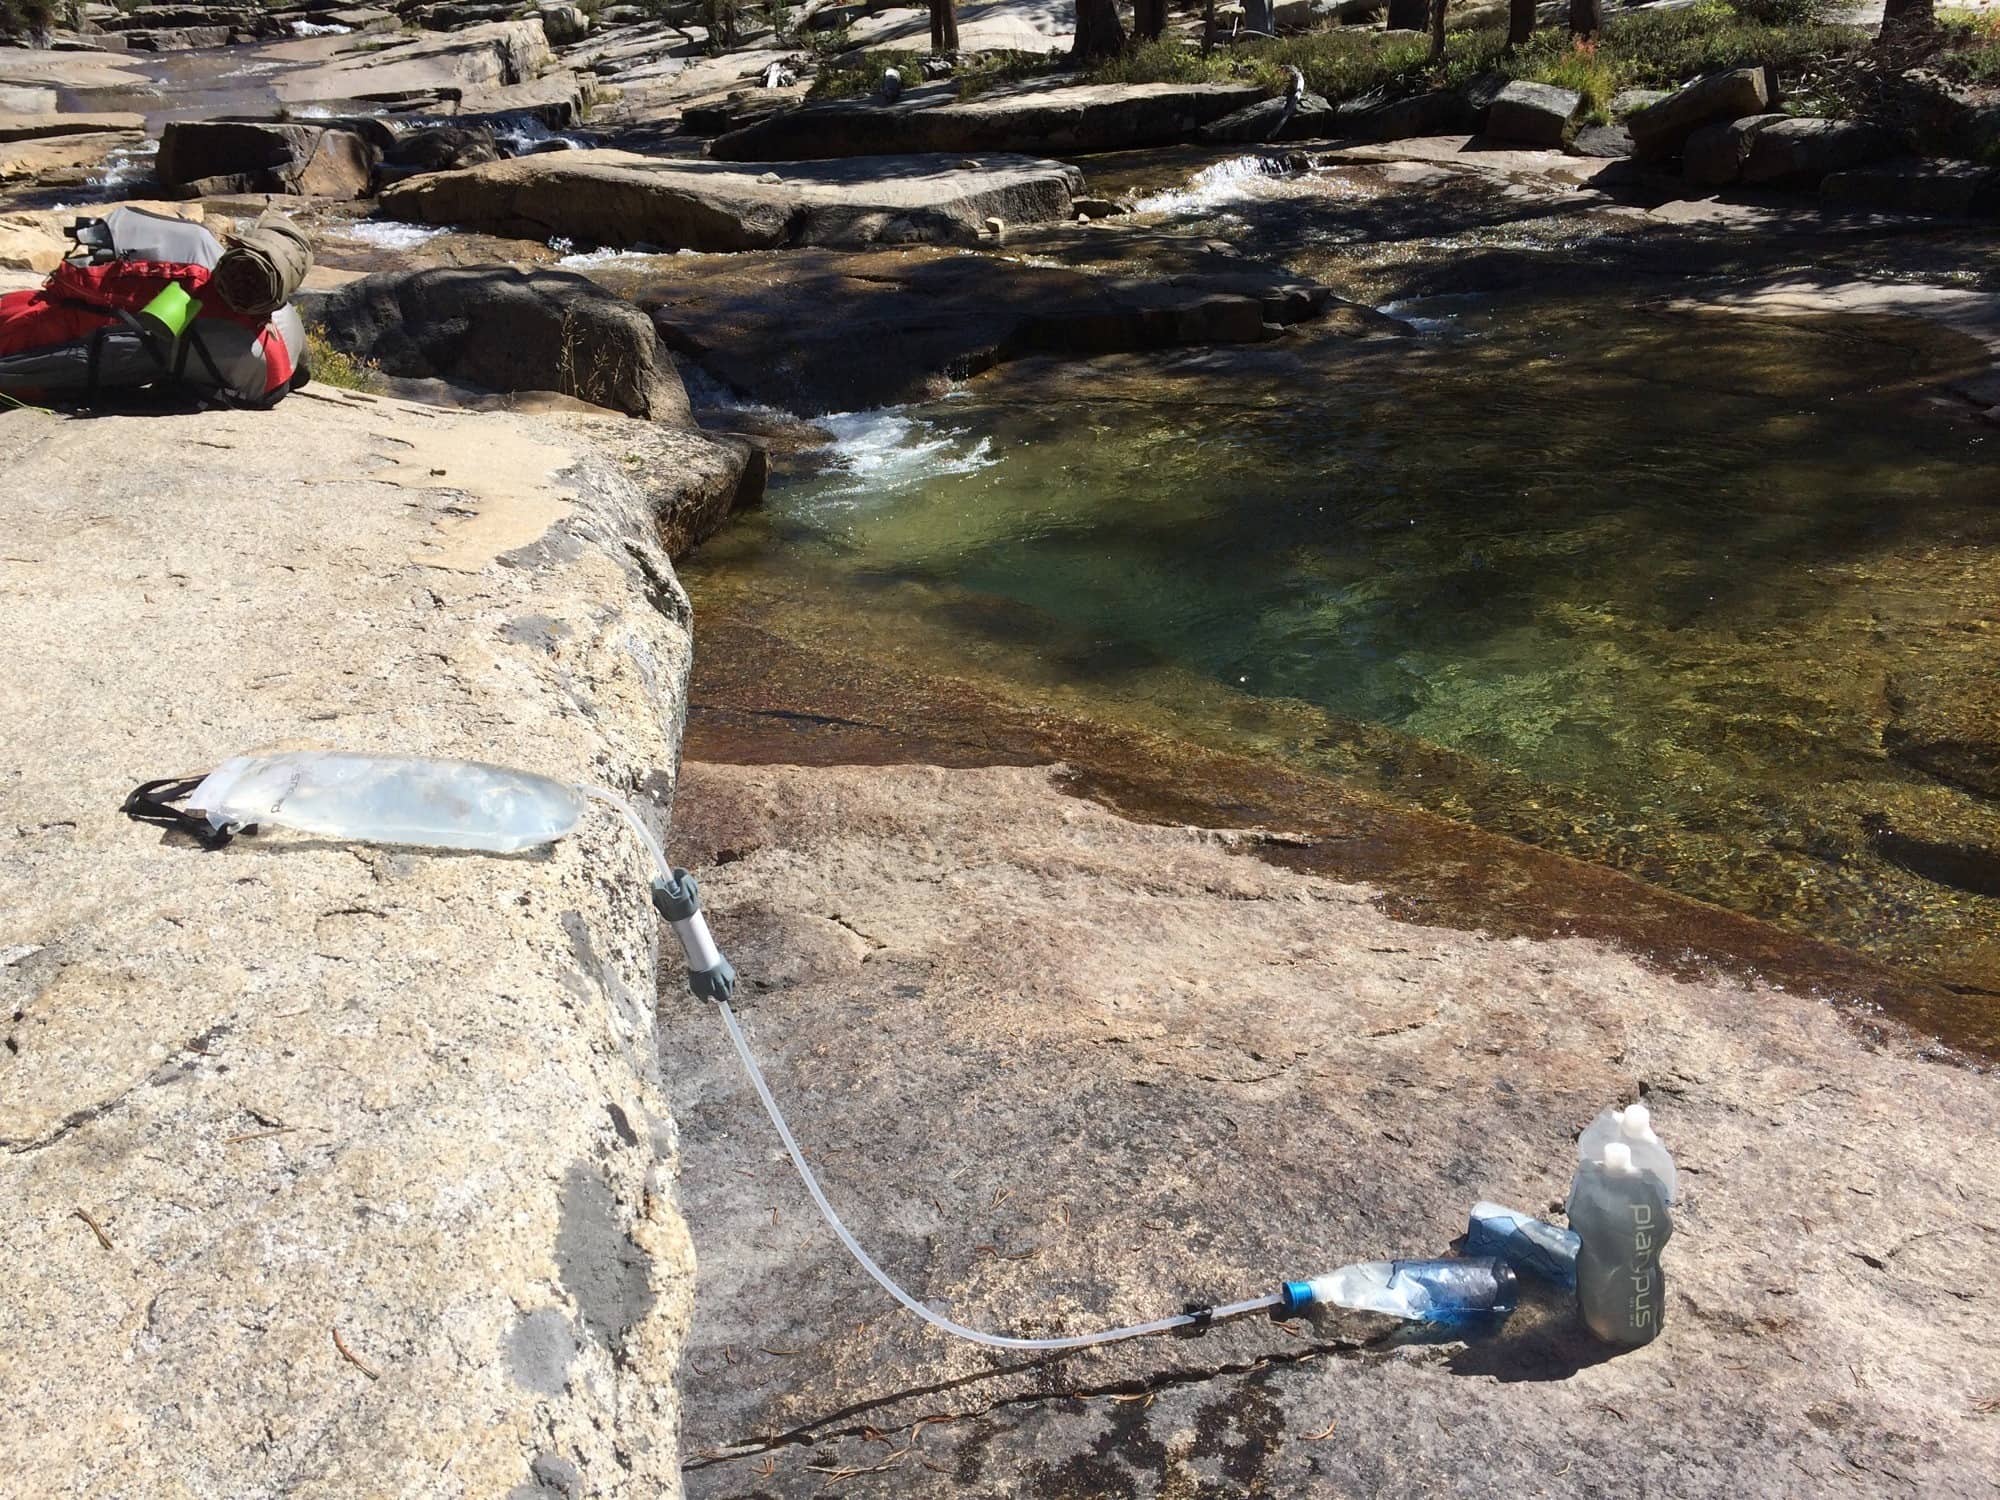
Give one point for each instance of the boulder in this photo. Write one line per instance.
(210, 158)
(1042, 116)
(1438, 112)
(564, 24)
(1802, 150)
(619, 198)
(1612, 142)
(1916, 185)
(1281, 118)
(1713, 156)
(1534, 114)
(1659, 130)
(439, 148)
(505, 329)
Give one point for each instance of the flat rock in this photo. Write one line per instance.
(1429, 114)
(376, 1138)
(1061, 1071)
(819, 330)
(1040, 116)
(29, 127)
(1919, 185)
(509, 52)
(618, 198)
(1276, 119)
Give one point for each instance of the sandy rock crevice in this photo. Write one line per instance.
(336, 1170)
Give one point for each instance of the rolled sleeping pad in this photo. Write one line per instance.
(262, 268)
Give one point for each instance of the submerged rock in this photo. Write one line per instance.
(1945, 719)
(618, 198)
(818, 331)
(505, 329)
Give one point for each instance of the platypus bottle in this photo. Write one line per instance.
(1619, 1214)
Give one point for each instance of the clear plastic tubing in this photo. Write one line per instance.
(846, 1237)
(938, 1320)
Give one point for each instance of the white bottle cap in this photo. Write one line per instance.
(1618, 1160)
(1637, 1122)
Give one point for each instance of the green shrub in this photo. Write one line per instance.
(1569, 63)
(860, 75)
(1666, 48)
(1780, 12)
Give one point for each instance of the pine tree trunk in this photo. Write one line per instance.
(1520, 23)
(944, 25)
(1099, 32)
(1437, 30)
(1409, 15)
(1908, 18)
(1586, 17)
(1149, 19)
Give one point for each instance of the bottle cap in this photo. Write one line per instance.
(1637, 1122)
(1618, 1159)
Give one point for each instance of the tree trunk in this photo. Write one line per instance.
(944, 25)
(1208, 28)
(1586, 17)
(1099, 32)
(1520, 23)
(1408, 15)
(1437, 30)
(1908, 18)
(1149, 19)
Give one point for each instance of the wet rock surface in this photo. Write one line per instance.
(340, 1169)
(1061, 1071)
(819, 331)
(619, 198)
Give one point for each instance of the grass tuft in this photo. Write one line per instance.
(331, 366)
